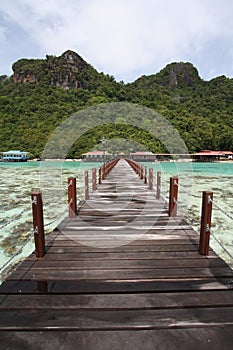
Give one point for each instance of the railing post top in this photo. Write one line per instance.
(207, 196)
(37, 193)
(209, 193)
(36, 197)
(174, 180)
(71, 178)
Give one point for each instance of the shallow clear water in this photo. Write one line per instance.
(18, 180)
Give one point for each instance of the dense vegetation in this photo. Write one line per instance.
(48, 91)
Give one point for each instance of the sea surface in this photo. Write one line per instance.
(19, 180)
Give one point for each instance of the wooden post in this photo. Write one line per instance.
(207, 198)
(99, 176)
(94, 179)
(158, 184)
(173, 196)
(38, 224)
(72, 197)
(103, 172)
(86, 185)
(142, 171)
(150, 179)
(145, 175)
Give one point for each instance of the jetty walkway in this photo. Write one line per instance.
(121, 274)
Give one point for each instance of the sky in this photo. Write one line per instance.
(123, 38)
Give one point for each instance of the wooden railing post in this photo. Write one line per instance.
(103, 172)
(150, 179)
(72, 201)
(207, 198)
(38, 224)
(94, 179)
(86, 185)
(100, 176)
(173, 196)
(145, 175)
(158, 184)
(142, 171)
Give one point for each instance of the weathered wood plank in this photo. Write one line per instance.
(115, 286)
(119, 274)
(105, 255)
(123, 264)
(206, 338)
(127, 249)
(117, 301)
(118, 320)
(147, 239)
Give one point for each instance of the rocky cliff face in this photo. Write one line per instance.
(66, 71)
(24, 77)
(178, 75)
(70, 71)
(174, 75)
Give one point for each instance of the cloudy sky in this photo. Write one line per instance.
(124, 38)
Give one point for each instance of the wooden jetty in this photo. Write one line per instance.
(121, 274)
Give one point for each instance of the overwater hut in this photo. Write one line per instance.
(96, 156)
(143, 156)
(14, 156)
(211, 156)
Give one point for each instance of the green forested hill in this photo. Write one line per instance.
(42, 93)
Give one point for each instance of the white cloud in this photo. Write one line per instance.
(2, 34)
(129, 37)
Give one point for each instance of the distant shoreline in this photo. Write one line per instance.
(157, 161)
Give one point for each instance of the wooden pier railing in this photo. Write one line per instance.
(173, 202)
(37, 204)
(72, 202)
(207, 198)
(173, 194)
(38, 224)
(105, 169)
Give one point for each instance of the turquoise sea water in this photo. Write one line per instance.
(206, 169)
(18, 180)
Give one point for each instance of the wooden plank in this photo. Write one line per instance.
(126, 249)
(124, 264)
(114, 286)
(139, 217)
(120, 274)
(73, 243)
(118, 301)
(127, 237)
(155, 231)
(121, 255)
(146, 239)
(115, 319)
(216, 337)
